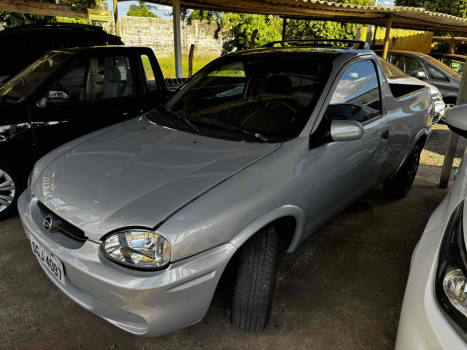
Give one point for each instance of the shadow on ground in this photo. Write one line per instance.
(342, 289)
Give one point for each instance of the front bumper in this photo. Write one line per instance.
(422, 325)
(143, 303)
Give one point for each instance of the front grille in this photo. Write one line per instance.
(65, 227)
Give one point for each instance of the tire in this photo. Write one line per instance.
(254, 285)
(400, 184)
(9, 190)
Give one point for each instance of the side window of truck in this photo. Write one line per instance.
(150, 77)
(98, 78)
(436, 74)
(357, 95)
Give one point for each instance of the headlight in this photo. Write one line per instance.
(30, 182)
(451, 272)
(137, 248)
(440, 96)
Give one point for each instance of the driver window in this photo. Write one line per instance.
(436, 74)
(412, 66)
(97, 78)
(357, 95)
(74, 79)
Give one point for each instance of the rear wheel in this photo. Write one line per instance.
(254, 286)
(9, 190)
(400, 184)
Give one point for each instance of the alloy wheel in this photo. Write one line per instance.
(7, 190)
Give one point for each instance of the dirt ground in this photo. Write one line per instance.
(342, 288)
(435, 148)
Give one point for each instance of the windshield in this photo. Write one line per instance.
(441, 65)
(28, 79)
(391, 71)
(272, 96)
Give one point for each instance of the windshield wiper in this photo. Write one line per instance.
(230, 127)
(186, 120)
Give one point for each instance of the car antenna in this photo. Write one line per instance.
(415, 48)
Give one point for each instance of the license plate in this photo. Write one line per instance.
(54, 265)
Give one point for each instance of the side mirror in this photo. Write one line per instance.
(421, 75)
(58, 94)
(42, 102)
(346, 130)
(456, 118)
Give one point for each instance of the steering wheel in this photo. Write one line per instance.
(297, 113)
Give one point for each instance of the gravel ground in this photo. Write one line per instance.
(433, 153)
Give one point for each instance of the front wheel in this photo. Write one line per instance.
(254, 286)
(400, 184)
(9, 190)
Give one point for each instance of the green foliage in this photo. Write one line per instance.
(142, 10)
(239, 28)
(452, 7)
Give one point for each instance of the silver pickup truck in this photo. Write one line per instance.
(137, 222)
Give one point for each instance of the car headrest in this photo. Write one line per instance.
(278, 84)
(112, 74)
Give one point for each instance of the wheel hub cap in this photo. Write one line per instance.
(7, 190)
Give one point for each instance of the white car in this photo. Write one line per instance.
(396, 76)
(434, 311)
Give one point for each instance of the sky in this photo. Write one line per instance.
(164, 11)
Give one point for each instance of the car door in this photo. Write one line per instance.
(343, 171)
(100, 93)
(153, 87)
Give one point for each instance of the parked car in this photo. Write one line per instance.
(65, 94)
(455, 62)
(396, 76)
(256, 152)
(434, 311)
(25, 44)
(429, 69)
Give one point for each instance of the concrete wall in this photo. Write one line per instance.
(157, 33)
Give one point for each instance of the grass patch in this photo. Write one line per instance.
(167, 65)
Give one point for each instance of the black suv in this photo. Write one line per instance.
(25, 44)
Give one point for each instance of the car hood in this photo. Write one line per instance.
(136, 174)
(415, 81)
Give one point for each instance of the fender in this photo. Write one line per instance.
(270, 216)
(416, 139)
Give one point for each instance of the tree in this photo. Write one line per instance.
(239, 28)
(142, 10)
(451, 7)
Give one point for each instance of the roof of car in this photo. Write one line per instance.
(54, 26)
(448, 55)
(324, 52)
(86, 49)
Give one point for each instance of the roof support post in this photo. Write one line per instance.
(284, 25)
(453, 138)
(452, 44)
(386, 37)
(117, 22)
(177, 39)
(374, 38)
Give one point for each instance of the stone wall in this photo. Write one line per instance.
(157, 33)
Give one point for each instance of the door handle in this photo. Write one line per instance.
(385, 136)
